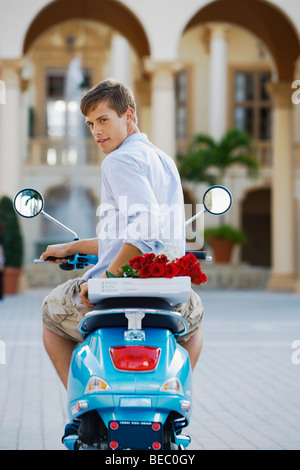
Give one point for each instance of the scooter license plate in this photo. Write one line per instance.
(135, 435)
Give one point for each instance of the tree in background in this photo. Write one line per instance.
(12, 236)
(207, 159)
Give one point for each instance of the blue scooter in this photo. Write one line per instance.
(130, 382)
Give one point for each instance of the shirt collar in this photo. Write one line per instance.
(133, 138)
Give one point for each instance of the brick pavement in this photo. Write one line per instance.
(246, 388)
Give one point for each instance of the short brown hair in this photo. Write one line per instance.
(118, 96)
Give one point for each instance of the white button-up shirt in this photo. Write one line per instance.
(141, 203)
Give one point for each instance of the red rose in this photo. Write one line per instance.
(181, 267)
(197, 276)
(149, 257)
(158, 270)
(192, 258)
(137, 262)
(162, 259)
(201, 279)
(187, 260)
(145, 271)
(171, 270)
(195, 270)
(183, 262)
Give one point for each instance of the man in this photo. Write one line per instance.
(137, 181)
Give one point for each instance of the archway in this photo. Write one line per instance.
(262, 19)
(74, 206)
(111, 13)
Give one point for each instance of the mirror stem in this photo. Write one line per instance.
(189, 221)
(67, 229)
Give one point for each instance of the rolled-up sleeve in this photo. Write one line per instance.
(136, 208)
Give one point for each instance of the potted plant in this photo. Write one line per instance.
(12, 246)
(222, 239)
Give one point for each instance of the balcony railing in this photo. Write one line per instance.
(46, 151)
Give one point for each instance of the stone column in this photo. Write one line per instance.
(120, 60)
(163, 104)
(10, 128)
(283, 201)
(296, 109)
(142, 88)
(217, 80)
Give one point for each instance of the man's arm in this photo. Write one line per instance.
(88, 246)
(126, 253)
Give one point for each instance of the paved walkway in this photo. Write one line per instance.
(246, 386)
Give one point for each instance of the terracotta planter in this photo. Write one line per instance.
(222, 249)
(11, 280)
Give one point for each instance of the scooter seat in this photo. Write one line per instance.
(150, 303)
(110, 312)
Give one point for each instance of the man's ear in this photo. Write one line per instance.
(129, 115)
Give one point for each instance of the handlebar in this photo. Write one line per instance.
(77, 261)
(80, 260)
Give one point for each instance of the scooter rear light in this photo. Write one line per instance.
(135, 358)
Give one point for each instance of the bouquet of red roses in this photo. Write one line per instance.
(151, 265)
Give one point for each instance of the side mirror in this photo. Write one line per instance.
(217, 200)
(28, 202)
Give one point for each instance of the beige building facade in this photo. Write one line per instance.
(195, 67)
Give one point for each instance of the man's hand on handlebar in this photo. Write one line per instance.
(60, 252)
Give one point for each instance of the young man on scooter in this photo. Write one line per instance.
(138, 171)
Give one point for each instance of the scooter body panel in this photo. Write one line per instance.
(132, 396)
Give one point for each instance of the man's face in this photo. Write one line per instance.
(108, 129)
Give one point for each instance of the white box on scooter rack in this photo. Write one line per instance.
(174, 290)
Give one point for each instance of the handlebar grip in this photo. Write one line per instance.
(77, 261)
(66, 266)
(198, 254)
(54, 258)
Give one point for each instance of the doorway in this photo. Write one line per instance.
(256, 222)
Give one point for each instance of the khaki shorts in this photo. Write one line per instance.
(62, 311)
